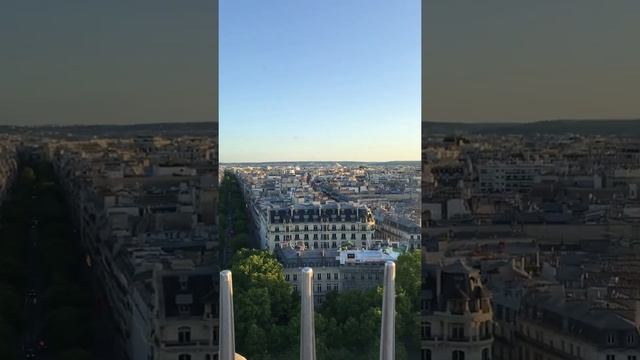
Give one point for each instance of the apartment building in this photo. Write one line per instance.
(8, 165)
(336, 270)
(326, 226)
(148, 226)
(457, 316)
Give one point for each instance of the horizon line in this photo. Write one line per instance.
(114, 124)
(526, 121)
(311, 161)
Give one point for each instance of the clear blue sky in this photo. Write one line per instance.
(319, 80)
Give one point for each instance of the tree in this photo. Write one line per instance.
(68, 327)
(240, 241)
(263, 304)
(27, 177)
(409, 276)
(7, 345)
(75, 354)
(408, 290)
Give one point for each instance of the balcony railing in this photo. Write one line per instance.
(307, 326)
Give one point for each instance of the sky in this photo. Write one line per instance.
(313, 80)
(119, 61)
(505, 60)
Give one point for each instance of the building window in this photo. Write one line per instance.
(426, 354)
(277, 237)
(215, 334)
(319, 276)
(353, 236)
(611, 357)
(632, 357)
(457, 331)
(426, 330)
(457, 355)
(184, 357)
(319, 288)
(184, 334)
(183, 282)
(183, 309)
(335, 287)
(611, 339)
(287, 277)
(295, 277)
(631, 339)
(485, 354)
(335, 276)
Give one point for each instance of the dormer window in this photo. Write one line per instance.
(184, 334)
(184, 282)
(631, 339)
(183, 309)
(611, 339)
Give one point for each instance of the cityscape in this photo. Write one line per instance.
(320, 180)
(531, 242)
(343, 220)
(121, 261)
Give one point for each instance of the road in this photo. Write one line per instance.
(254, 240)
(34, 309)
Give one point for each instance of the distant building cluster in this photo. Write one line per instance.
(531, 180)
(541, 229)
(8, 164)
(345, 221)
(145, 209)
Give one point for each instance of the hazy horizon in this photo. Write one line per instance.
(524, 121)
(317, 161)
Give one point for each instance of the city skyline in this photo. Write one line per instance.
(541, 60)
(306, 81)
